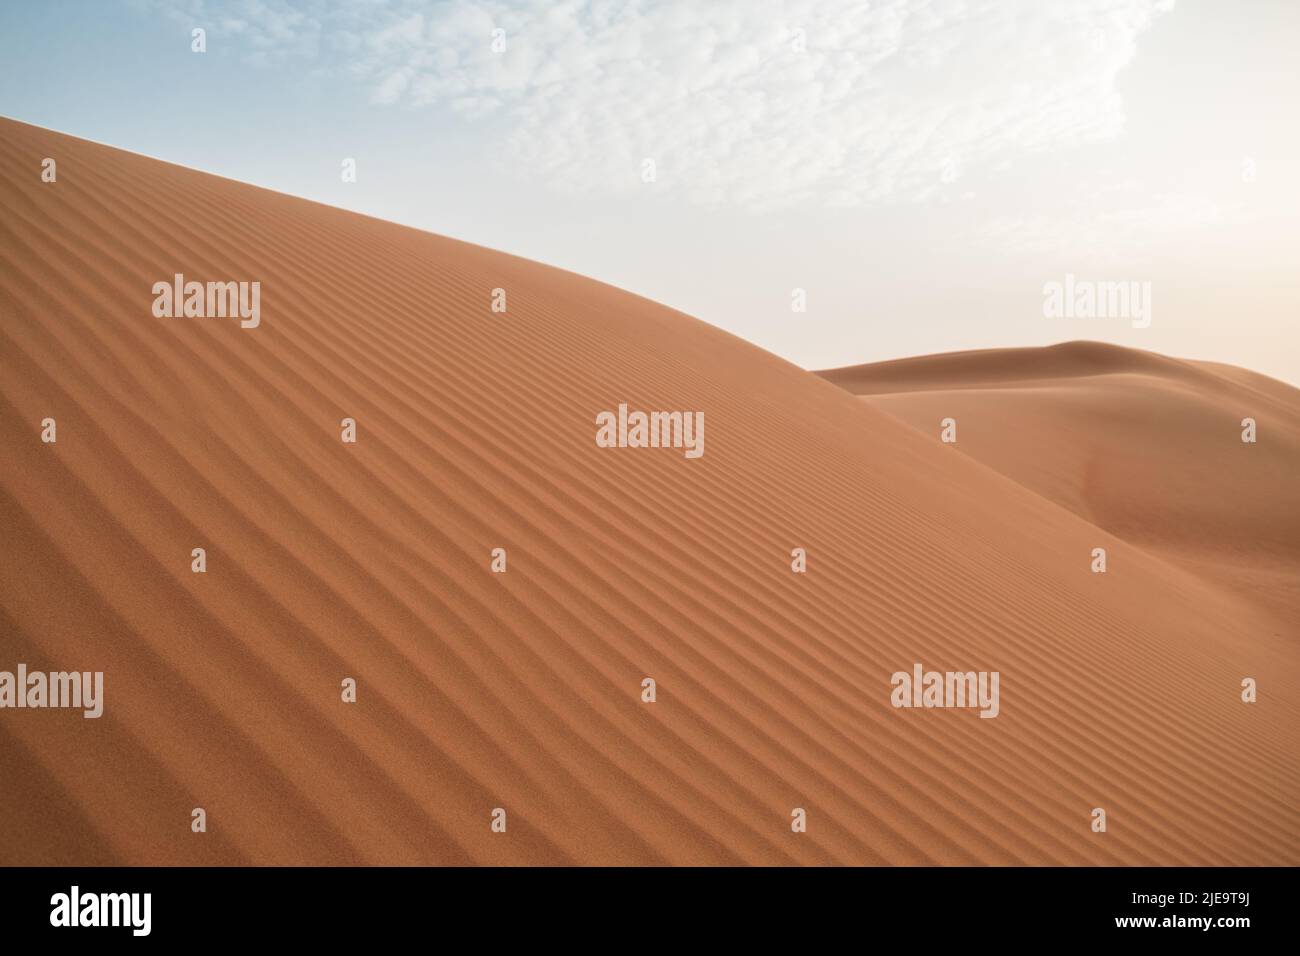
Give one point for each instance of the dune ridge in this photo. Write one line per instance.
(521, 690)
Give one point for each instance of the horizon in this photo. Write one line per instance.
(834, 208)
(829, 368)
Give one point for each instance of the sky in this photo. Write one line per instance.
(913, 173)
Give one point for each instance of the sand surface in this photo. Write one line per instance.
(522, 690)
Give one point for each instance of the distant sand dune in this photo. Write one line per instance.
(1146, 447)
(481, 690)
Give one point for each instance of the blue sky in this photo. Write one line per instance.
(920, 169)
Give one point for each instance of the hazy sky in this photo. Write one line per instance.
(920, 169)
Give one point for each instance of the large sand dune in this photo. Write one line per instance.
(522, 690)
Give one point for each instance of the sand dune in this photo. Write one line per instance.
(522, 690)
(1146, 447)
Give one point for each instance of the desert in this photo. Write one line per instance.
(521, 689)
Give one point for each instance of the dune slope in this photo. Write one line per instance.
(521, 691)
(1146, 447)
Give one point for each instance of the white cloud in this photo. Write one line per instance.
(270, 30)
(880, 102)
